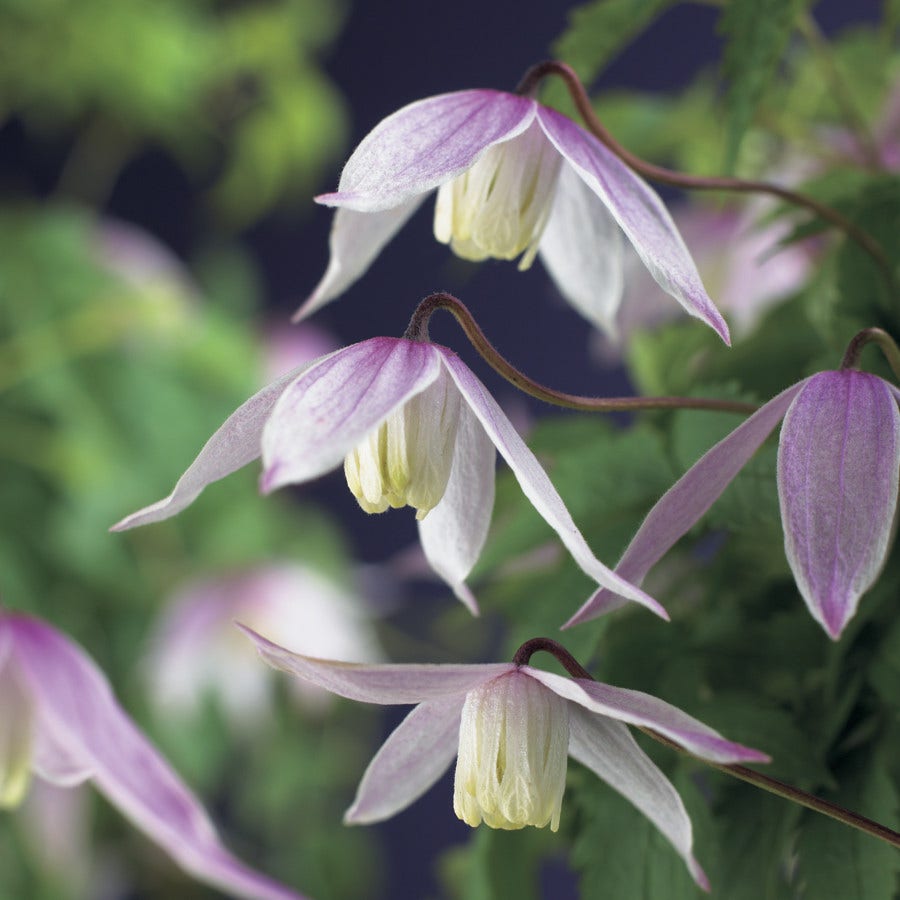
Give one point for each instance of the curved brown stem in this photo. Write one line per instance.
(696, 182)
(418, 331)
(872, 336)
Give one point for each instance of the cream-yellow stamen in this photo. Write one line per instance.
(15, 740)
(499, 207)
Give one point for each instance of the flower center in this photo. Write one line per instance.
(406, 461)
(513, 751)
(15, 740)
(499, 207)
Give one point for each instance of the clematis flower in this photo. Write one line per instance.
(838, 465)
(196, 652)
(514, 178)
(413, 426)
(60, 721)
(511, 728)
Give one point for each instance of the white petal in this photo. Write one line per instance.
(535, 484)
(356, 239)
(236, 443)
(374, 683)
(454, 532)
(607, 748)
(327, 412)
(411, 760)
(582, 250)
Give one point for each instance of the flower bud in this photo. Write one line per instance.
(406, 461)
(499, 207)
(513, 749)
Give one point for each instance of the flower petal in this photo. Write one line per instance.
(535, 484)
(236, 443)
(328, 410)
(418, 751)
(608, 749)
(838, 467)
(356, 239)
(640, 213)
(641, 709)
(374, 683)
(582, 249)
(75, 704)
(679, 509)
(454, 532)
(425, 144)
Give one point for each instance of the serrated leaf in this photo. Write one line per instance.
(757, 33)
(838, 861)
(598, 31)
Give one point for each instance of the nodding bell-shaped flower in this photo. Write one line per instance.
(511, 728)
(838, 472)
(513, 178)
(60, 721)
(413, 426)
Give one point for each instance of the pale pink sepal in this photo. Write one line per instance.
(838, 467)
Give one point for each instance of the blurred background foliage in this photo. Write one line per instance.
(118, 359)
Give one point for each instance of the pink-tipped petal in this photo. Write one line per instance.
(373, 683)
(74, 703)
(535, 484)
(454, 532)
(581, 248)
(425, 144)
(608, 749)
(838, 467)
(418, 751)
(682, 506)
(325, 413)
(356, 239)
(641, 709)
(640, 213)
(236, 443)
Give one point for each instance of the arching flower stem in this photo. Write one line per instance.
(872, 336)
(417, 330)
(532, 78)
(765, 782)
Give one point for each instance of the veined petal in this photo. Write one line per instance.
(356, 239)
(372, 683)
(608, 749)
(327, 411)
(582, 249)
(535, 484)
(74, 702)
(637, 708)
(419, 750)
(236, 443)
(454, 532)
(681, 507)
(838, 466)
(426, 143)
(640, 213)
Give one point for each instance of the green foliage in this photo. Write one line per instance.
(757, 33)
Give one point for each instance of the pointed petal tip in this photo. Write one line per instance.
(698, 874)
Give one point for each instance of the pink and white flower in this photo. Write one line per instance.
(514, 178)
(511, 728)
(838, 474)
(413, 426)
(61, 722)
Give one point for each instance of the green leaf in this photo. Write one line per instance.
(838, 861)
(598, 31)
(757, 33)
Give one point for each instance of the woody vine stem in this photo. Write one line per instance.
(772, 785)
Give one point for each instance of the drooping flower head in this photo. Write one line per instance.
(515, 179)
(60, 721)
(413, 426)
(838, 467)
(510, 728)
